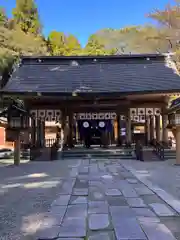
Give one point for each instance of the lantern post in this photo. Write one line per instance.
(18, 121)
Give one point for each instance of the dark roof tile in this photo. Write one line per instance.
(107, 74)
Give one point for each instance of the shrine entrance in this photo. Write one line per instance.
(95, 128)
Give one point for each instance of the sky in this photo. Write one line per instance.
(84, 17)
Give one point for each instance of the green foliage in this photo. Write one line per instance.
(169, 18)
(134, 39)
(3, 17)
(15, 43)
(56, 43)
(25, 14)
(73, 47)
(96, 46)
(18, 36)
(22, 35)
(59, 44)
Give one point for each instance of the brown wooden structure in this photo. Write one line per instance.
(131, 87)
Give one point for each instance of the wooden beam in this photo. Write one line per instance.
(104, 104)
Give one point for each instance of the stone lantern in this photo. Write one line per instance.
(17, 121)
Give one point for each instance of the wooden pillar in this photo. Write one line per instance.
(112, 133)
(151, 127)
(17, 150)
(42, 134)
(63, 127)
(128, 127)
(33, 139)
(147, 126)
(38, 132)
(77, 132)
(70, 136)
(164, 128)
(177, 146)
(146, 131)
(158, 130)
(165, 121)
(33, 132)
(118, 130)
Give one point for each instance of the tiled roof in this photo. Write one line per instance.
(105, 74)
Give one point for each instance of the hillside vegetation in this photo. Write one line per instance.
(23, 35)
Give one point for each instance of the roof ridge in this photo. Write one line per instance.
(122, 56)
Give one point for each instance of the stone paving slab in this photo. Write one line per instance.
(48, 233)
(113, 192)
(80, 192)
(144, 191)
(129, 229)
(162, 210)
(98, 221)
(117, 201)
(107, 235)
(78, 200)
(132, 180)
(98, 207)
(107, 201)
(144, 212)
(58, 210)
(136, 202)
(61, 201)
(157, 231)
(79, 210)
(70, 239)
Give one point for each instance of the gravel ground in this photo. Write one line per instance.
(26, 193)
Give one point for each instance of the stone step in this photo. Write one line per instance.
(169, 154)
(98, 151)
(150, 156)
(109, 156)
(101, 153)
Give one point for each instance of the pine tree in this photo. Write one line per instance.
(25, 14)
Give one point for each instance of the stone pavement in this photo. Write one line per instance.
(161, 173)
(106, 199)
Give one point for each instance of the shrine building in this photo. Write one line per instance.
(127, 96)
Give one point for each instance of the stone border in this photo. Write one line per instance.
(166, 197)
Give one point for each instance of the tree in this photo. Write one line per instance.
(25, 14)
(169, 20)
(3, 17)
(96, 46)
(117, 38)
(73, 47)
(15, 43)
(134, 39)
(57, 43)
